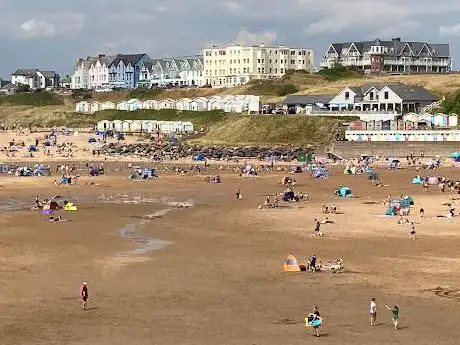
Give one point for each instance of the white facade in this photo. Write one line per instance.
(235, 104)
(404, 136)
(237, 65)
(390, 56)
(163, 127)
(108, 105)
(33, 78)
(79, 78)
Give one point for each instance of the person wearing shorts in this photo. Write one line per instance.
(84, 294)
(373, 311)
(316, 316)
(394, 315)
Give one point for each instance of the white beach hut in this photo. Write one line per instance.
(184, 104)
(107, 105)
(104, 125)
(199, 104)
(94, 106)
(453, 120)
(117, 125)
(82, 107)
(166, 104)
(134, 104)
(148, 126)
(123, 105)
(126, 125)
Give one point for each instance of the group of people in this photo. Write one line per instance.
(394, 313)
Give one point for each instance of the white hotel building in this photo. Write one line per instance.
(236, 65)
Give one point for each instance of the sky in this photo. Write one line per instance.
(53, 34)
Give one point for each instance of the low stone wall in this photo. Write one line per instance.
(349, 149)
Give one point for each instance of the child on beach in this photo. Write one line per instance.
(373, 311)
(395, 315)
(412, 231)
(422, 212)
(84, 294)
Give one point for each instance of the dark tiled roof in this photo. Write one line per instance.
(405, 92)
(396, 48)
(309, 99)
(131, 59)
(49, 74)
(25, 72)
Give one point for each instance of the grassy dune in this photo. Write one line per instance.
(46, 110)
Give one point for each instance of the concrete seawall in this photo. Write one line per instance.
(349, 149)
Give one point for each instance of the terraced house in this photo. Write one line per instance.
(395, 56)
(125, 70)
(177, 71)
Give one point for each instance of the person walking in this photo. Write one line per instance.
(373, 311)
(317, 321)
(395, 315)
(84, 294)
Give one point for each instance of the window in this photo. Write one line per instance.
(371, 96)
(347, 95)
(292, 52)
(385, 95)
(292, 62)
(258, 60)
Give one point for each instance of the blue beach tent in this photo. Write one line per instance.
(343, 192)
(417, 180)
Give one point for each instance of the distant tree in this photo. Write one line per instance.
(22, 88)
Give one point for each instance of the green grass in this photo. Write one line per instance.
(36, 99)
(272, 87)
(340, 72)
(200, 119)
(273, 129)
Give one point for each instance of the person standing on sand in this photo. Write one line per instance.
(316, 316)
(373, 311)
(84, 294)
(395, 315)
(238, 194)
(412, 231)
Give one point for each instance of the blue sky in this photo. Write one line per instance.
(52, 34)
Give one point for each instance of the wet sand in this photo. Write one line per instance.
(218, 277)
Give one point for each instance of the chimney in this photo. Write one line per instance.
(396, 39)
(101, 56)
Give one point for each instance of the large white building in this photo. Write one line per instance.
(237, 65)
(395, 56)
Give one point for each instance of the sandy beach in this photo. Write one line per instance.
(212, 271)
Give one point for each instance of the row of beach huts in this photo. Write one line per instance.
(410, 121)
(228, 103)
(145, 126)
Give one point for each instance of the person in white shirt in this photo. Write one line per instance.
(373, 311)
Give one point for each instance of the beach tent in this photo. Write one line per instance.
(455, 155)
(291, 264)
(392, 211)
(94, 172)
(343, 192)
(216, 179)
(304, 158)
(70, 207)
(33, 148)
(91, 140)
(417, 180)
(395, 164)
(319, 171)
(199, 158)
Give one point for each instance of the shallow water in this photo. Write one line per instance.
(18, 204)
(144, 244)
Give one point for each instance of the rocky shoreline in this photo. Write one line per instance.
(168, 152)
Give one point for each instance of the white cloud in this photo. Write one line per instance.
(453, 30)
(51, 26)
(38, 28)
(251, 38)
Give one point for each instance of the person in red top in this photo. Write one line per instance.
(84, 294)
